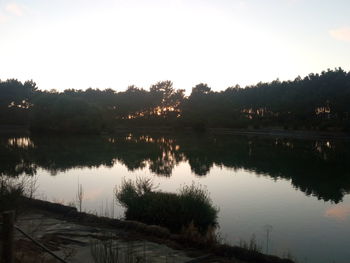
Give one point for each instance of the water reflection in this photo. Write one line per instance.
(339, 212)
(20, 142)
(316, 167)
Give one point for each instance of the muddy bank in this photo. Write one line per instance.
(156, 234)
(82, 243)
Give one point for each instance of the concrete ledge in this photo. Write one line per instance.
(153, 231)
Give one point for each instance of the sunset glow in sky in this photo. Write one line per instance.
(63, 44)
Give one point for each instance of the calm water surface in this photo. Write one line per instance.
(296, 188)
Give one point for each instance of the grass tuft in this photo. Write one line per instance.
(192, 205)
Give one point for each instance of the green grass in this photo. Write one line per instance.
(192, 205)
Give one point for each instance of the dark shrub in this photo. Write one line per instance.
(10, 194)
(172, 210)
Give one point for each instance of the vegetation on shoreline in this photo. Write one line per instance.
(11, 192)
(192, 205)
(315, 102)
(110, 251)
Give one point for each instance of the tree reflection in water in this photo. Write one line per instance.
(316, 167)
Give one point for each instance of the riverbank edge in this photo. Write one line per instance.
(151, 232)
(301, 134)
(269, 132)
(272, 132)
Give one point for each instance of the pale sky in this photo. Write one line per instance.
(63, 44)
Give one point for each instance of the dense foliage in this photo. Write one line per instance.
(317, 101)
(192, 205)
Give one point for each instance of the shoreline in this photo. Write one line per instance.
(301, 134)
(152, 233)
(268, 132)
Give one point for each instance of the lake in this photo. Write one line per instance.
(290, 195)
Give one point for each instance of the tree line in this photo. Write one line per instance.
(315, 102)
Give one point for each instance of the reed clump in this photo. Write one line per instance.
(191, 205)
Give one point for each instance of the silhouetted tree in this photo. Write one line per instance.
(317, 101)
